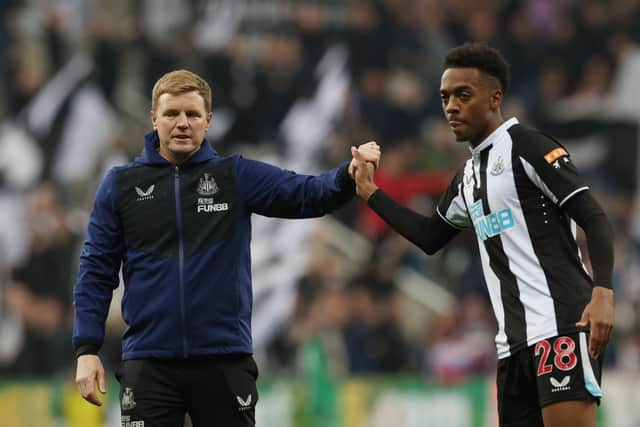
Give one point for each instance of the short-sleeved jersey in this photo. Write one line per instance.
(511, 192)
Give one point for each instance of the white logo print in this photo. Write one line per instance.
(125, 421)
(207, 186)
(244, 403)
(562, 385)
(145, 195)
(205, 204)
(127, 399)
(557, 163)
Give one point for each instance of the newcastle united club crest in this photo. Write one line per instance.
(207, 186)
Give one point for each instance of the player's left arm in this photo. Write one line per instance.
(549, 167)
(599, 312)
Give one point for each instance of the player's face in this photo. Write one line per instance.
(182, 122)
(471, 103)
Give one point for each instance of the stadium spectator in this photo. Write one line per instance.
(40, 288)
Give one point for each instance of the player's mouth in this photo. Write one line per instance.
(181, 137)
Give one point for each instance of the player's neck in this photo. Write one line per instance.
(492, 124)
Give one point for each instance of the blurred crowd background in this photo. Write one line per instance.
(296, 83)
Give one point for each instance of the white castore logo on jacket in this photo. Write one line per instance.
(145, 194)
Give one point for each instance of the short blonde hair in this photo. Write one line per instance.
(178, 82)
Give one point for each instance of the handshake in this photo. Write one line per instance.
(366, 159)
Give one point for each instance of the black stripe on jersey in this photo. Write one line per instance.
(552, 240)
(514, 322)
(455, 189)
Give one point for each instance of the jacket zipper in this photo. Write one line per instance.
(185, 351)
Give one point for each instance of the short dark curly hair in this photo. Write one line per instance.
(483, 57)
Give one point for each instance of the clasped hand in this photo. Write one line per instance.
(366, 159)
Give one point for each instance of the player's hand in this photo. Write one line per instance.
(599, 315)
(90, 373)
(363, 175)
(370, 153)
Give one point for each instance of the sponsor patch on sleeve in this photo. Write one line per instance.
(555, 154)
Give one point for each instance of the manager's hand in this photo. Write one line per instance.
(370, 153)
(90, 373)
(363, 175)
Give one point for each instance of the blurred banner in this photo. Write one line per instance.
(606, 150)
(370, 402)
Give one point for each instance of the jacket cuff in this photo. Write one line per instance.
(83, 349)
(344, 179)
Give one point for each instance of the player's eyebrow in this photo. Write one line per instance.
(455, 89)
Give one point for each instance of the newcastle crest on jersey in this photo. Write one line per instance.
(207, 186)
(498, 167)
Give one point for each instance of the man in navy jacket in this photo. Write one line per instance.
(177, 219)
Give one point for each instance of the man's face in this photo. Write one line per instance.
(182, 122)
(471, 103)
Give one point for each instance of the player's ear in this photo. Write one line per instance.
(495, 101)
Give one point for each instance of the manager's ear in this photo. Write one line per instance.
(154, 118)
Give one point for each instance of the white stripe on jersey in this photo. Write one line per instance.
(535, 178)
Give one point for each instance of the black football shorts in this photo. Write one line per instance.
(553, 370)
(215, 391)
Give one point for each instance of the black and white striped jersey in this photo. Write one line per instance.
(511, 192)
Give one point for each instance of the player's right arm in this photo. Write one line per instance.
(428, 233)
(100, 261)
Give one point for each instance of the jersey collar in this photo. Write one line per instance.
(495, 135)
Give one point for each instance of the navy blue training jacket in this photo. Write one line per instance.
(182, 235)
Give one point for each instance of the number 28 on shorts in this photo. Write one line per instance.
(564, 369)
